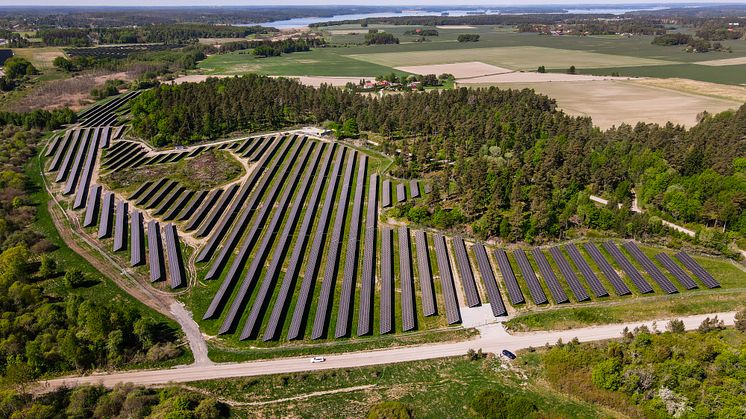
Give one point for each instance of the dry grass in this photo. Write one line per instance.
(722, 91)
(723, 62)
(74, 92)
(459, 70)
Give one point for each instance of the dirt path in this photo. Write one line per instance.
(283, 400)
(159, 301)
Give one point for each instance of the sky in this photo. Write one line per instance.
(337, 2)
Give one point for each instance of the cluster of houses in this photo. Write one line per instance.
(368, 86)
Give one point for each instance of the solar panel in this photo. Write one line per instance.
(323, 305)
(414, 189)
(697, 270)
(204, 207)
(386, 324)
(155, 252)
(52, 145)
(148, 194)
(74, 175)
(137, 245)
(169, 200)
(192, 206)
(251, 327)
(534, 288)
(314, 257)
(619, 286)
(585, 269)
(59, 152)
(428, 188)
(140, 190)
(465, 273)
(401, 193)
(572, 280)
(173, 252)
(558, 294)
(453, 315)
(429, 307)
(386, 194)
(676, 271)
(514, 290)
(490, 283)
(92, 206)
(628, 268)
(107, 213)
(120, 226)
(178, 205)
(344, 313)
(650, 268)
(364, 319)
(293, 267)
(64, 167)
(104, 140)
(409, 318)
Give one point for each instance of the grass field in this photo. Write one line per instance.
(615, 102)
(435, 388)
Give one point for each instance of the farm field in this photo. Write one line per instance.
(613, 102)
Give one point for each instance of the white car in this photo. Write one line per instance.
(317, 359)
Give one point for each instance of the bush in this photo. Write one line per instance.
(466, 37)
(741, 321)
(489, 404)
(74, 278)
(390, 410)
(676, 326)
(607, 374)
(711, 324)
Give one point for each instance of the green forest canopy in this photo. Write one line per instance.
(522, 168)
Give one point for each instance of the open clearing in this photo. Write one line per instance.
(455, 27)
(42, 58)
(723, 62)
(459, 70)
(534, 77)
(615, 102)
(517, 58)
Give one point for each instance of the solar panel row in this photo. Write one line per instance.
(64, 167)
(465, 273)
(120, 226)
(386, 324)
(453, 315)
(490, 283)
(429, 307)
(401, 193)
(217, 211)
(173, 252)
(137, 244)
(203, 209)
(155, 252)
(678, 273)
(92, 206)
(408, 316)
(414, 189)
(107, 214)
(367, 277)
(386, 194)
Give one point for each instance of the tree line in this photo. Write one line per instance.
(521, 169)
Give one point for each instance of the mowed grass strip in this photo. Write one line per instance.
(517, 58)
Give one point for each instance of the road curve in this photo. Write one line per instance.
(493, 338)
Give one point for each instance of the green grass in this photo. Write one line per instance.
(434, 388)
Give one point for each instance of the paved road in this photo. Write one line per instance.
(493, 338)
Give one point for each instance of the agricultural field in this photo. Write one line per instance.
(508, 59)
(283, 240)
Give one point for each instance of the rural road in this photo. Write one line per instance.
(493, 338)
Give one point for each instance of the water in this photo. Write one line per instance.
(303, 22)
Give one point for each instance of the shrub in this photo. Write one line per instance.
(390, 410)
(741, 321)
(607, 374)
(710, 324)
(74, 278)
(676, 326)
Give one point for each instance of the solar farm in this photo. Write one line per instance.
(299, 248)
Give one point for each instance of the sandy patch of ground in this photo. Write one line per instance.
(723, 62)
(215, 41)
(459, 70)
(533, 77)
(516, 58)
(722, 91)
(196, 78)
(613, 102)
(350, 31)
(455, 27)
(314, 81)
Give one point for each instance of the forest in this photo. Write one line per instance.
(522, 170)
(659, 372)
